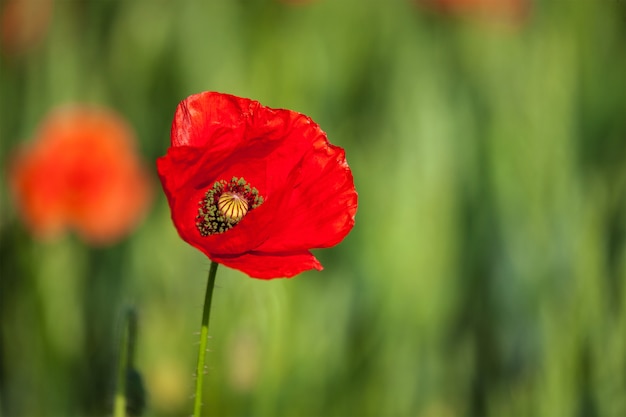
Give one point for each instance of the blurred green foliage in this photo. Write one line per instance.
(486, 274)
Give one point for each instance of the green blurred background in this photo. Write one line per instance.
(486, 273)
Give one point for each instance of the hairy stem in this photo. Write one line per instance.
(204, 335)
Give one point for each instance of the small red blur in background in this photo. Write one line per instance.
(24, 24)
(512, 11)
(81, 172)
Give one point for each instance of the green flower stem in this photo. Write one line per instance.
(119, 407)
(204, 335)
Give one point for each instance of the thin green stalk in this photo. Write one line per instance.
(119, 407)
(204, 335)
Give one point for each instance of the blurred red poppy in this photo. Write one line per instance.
(81, 172)
(296, 2)
(23, 24)
(509, 10)
(255, 188)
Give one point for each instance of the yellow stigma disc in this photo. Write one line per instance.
(232, 206)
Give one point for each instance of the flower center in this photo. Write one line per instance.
(232, 206)
(225, 204)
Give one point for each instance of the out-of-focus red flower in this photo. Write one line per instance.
(81, 172)
(297, 2)
(23, 23)
(509, 10)
(255, 188)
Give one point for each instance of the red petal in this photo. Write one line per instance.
(225, 125)
(223, 122)
(201, 119)
(323, 202)
(271, 265)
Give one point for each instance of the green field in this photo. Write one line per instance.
(486, 272)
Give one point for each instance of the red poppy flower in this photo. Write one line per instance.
(81, 172)
(297, 2)
(23, 24)
(255, 188)
(514, 11)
